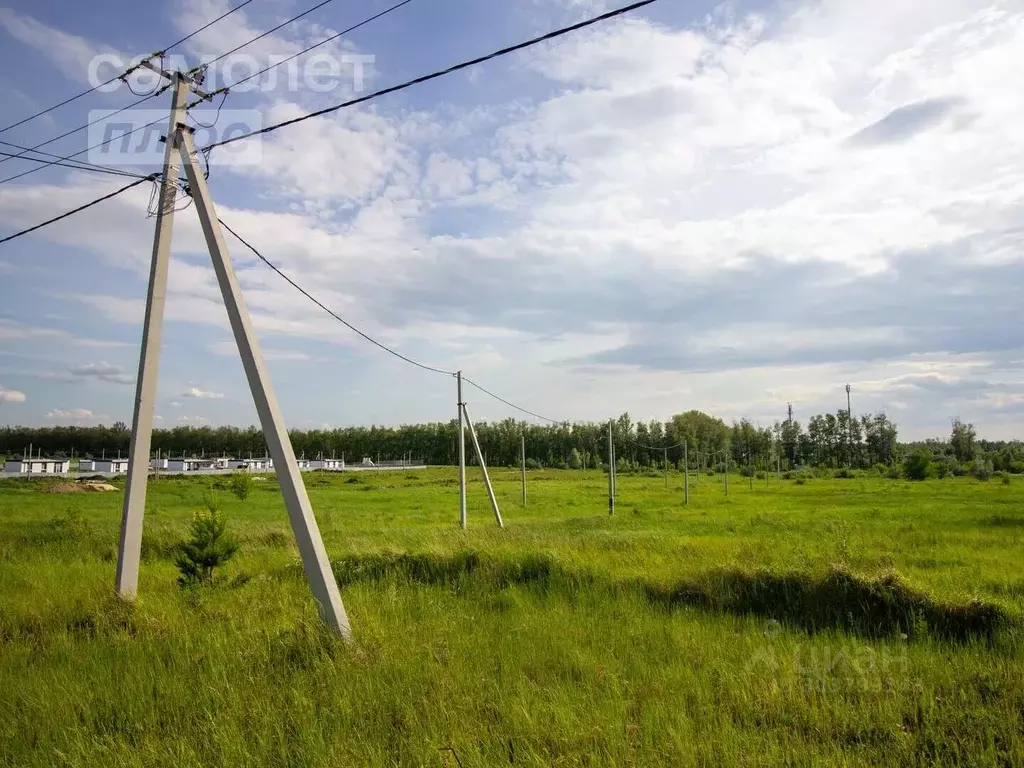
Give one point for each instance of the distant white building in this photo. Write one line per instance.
(327, 464)
(226, 462)
(303, 463)
(86, 465)
(37, 466)
(259, 465)
(111, 465)
(158, 464)
(188, 465)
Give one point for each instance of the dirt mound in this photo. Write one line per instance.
(64, 487)
(98, 487)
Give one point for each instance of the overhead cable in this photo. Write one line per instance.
(79, 165)
(511, 404)
(440, 73)
(118, 77)
(326, 40)
(55, 219)
(333, 314)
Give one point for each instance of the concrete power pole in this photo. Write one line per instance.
(686, 473)
(462, 456)
(130, 545)
(849, 427)
(483, 467)
(611, 472)
(323, 585)
(522, 455)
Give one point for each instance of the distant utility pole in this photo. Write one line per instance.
(849, 427)
(462, 455)
(665, 450)
(611, 472)
(522, 454)
(686, 474)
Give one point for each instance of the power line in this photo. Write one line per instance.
(207, 25)
(326, 40)
(115, 193)
(654, 447)
(156, 92)
(510, 404)
(440, 73)
(337, 317)
(370, 339)
(83, 151)
(118, 77)
(91, 122)
(237, 48)
(78, 164)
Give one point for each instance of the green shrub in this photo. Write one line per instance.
(532, 464)
(944, 466)
(918, 466)
(241, 485)
(981, 470)
(209, 547)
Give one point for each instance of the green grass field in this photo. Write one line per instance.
(841, 622)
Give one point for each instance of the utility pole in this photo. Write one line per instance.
(134, 506)
(483, 467)
(611, 472)
(462, 456)
(665, 450)
(180, 144)
(686, 474)
(849, 427)
(727, 471)
(522, 464)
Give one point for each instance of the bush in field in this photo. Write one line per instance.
(981, 469)
(843, 474)
(918, 465)
(575, 460)
(532, 464)
(241, 485)
(208, 548)
(944, 466)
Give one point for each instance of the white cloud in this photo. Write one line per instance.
(200, 394)
(75, 414)
(691, 194)
(72, 54)
(11, 396)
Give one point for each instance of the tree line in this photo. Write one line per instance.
(826, 440)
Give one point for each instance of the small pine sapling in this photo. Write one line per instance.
(209, 547)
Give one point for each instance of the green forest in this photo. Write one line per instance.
(830, 440)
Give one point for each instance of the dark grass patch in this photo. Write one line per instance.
(871, 607)
(1005, 521)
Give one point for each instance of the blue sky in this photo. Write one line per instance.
(725, 207)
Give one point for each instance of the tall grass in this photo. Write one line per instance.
(847, 622)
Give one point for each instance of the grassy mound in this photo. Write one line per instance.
(866, 606)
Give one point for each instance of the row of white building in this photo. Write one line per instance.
(42, 466)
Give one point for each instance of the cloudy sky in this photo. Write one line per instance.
(725, 207)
